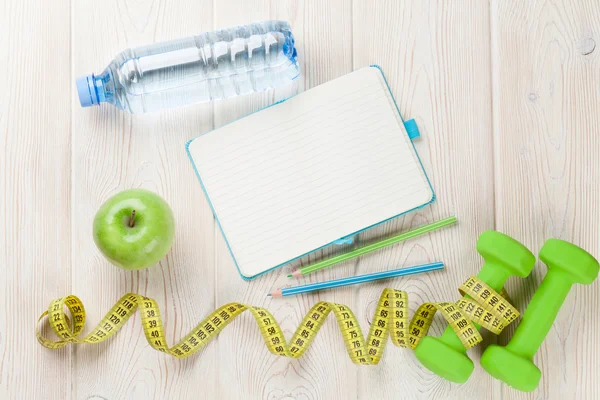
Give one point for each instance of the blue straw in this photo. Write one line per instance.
(359, 279)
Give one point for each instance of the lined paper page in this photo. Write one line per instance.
(301, 174)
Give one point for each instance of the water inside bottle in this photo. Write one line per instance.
(209, 66)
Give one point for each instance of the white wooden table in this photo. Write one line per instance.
(506, 95)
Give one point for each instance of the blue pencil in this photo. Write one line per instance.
(353, 280)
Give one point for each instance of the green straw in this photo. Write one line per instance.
(372, 247)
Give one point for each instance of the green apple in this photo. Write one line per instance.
(134, 229)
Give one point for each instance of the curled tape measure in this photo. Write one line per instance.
(483, 306)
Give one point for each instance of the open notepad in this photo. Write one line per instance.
(301, 174)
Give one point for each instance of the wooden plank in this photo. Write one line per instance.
(35, 192)
(437, 65)
(322, 31)
(546, 80)
(113, 151)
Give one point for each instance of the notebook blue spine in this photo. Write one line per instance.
(413, 133)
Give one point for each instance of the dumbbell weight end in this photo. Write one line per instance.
(446, 355)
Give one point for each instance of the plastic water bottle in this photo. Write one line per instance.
(213, 65)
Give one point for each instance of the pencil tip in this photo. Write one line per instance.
(290, 275)
(269, 294)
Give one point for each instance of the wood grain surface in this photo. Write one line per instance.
(506, 95)
(547, 158)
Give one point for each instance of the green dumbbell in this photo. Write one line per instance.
(513, 364)
(504, 257)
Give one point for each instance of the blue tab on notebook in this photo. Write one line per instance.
(412, 129)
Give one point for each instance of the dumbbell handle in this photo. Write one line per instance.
(496, 278)
(540, 313)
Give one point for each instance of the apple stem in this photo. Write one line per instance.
(132, 219)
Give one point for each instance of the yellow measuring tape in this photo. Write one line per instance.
(483, 306)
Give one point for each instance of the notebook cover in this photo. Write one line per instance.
(411, 137)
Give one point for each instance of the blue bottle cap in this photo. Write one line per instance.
(87, 91)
